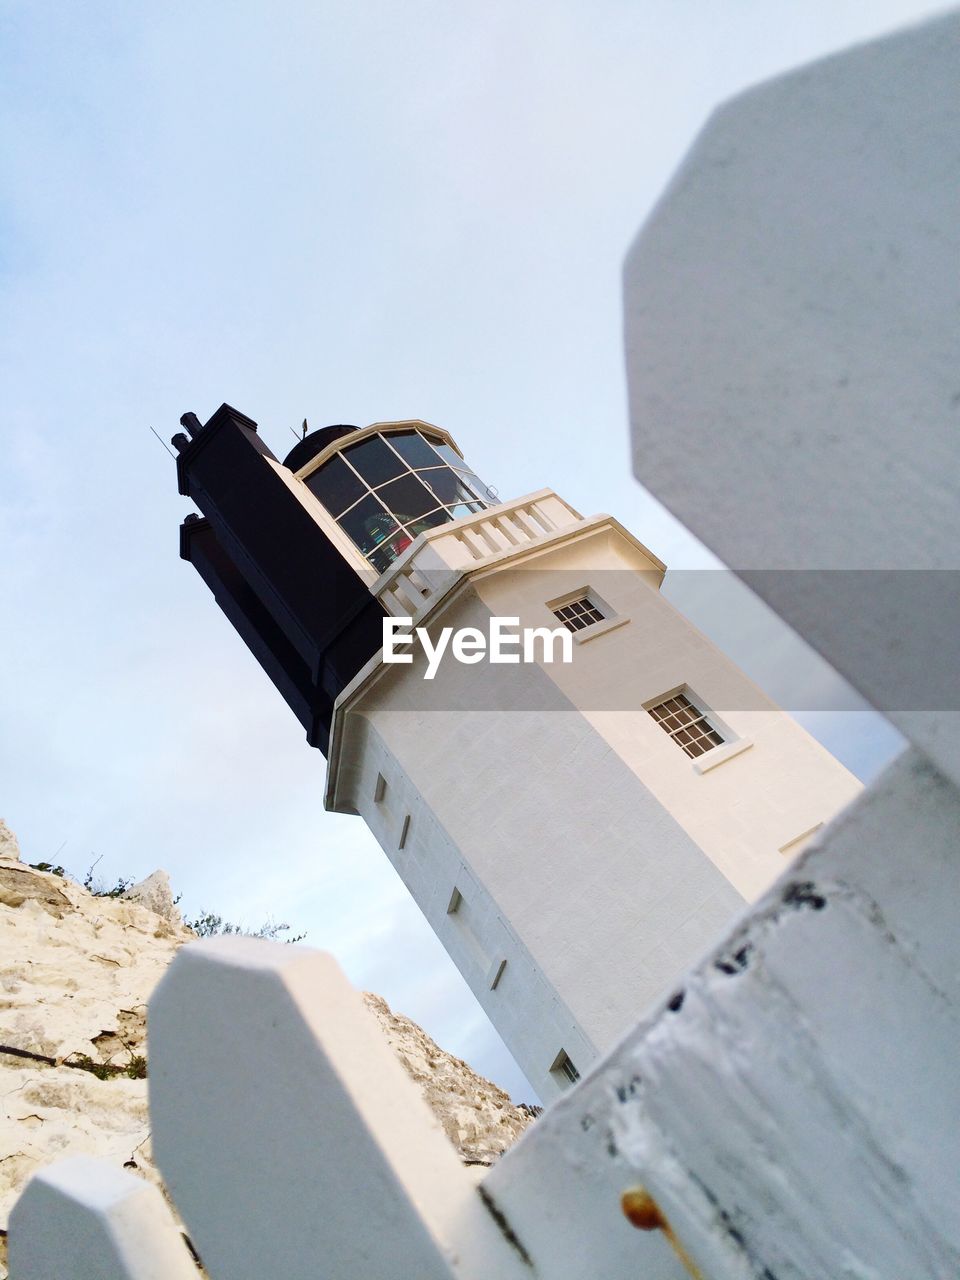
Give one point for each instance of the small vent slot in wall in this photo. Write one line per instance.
(404, 832)
(380, 788)
(463, 912)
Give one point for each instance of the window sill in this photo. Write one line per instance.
(598, 629)
(720, 755)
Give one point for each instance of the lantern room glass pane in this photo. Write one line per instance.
(429, 521)
(414, 449)
(336, 486)
(374, 460)
(388, 493)
(479, 488)
(384, 555)
(407, 498)
(450, 455)
(464, 509)
(368, 524)
(446, 485)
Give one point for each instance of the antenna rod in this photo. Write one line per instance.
(172, 455)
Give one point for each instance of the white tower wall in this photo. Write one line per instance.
(569, 854)
(749, 804)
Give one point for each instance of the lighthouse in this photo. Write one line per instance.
(577, 820)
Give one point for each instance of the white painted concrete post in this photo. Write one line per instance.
(289, 1136)
(790, 314)
(83, 1219)
(794, 1110)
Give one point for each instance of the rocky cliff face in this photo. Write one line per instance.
(76, 971)
(479, 1119)
(8, 842)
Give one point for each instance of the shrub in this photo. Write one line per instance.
(48, 867)
(209, 925)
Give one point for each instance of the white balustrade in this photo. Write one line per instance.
(434, 562)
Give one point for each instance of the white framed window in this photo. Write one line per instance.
(563, 1069)
(687, 724)
(585, 614)
(579, 613)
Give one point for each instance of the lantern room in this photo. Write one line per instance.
(387, 483)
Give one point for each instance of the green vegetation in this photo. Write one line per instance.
(97, 887)
(209, 925)
(135, 1069)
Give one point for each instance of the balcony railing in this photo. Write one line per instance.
(435, 559)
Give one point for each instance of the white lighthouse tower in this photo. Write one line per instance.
(575, 832)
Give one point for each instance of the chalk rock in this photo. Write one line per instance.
(155, 894)
(9, 848)
(477, 1117)
(20, 884)
(76, 972)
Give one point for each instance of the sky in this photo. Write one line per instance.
(348, 212)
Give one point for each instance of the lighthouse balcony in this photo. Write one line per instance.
(437, 557)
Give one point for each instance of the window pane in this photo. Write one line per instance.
(407, 498)
(374, 460)
(687, 725)
(464, 509)
(414, 449)
(583, 613)
(368, 524)
(336, 486)
(479, 488)
(446, 485)
(429, 522)
(450, 455)
(384, 555)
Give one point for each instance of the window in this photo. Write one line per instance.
(579, 614)
(686, 724)
(564, 1069)
(389, 488)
